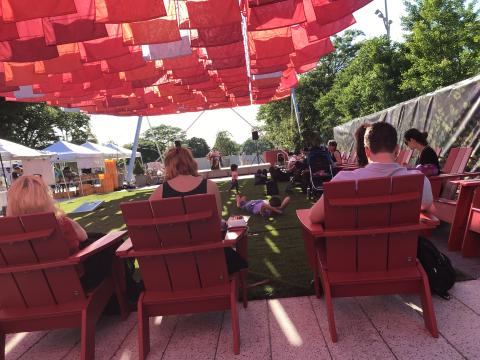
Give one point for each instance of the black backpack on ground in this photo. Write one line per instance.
(272, 187)
(439, 269)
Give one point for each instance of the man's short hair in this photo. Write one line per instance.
(381, 137)
(275, 201)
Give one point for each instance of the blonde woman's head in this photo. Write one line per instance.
(28, 195)
(179, 161)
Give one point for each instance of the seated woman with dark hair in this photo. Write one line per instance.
(362, 159)
(417, 140)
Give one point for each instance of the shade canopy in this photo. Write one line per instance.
(68, 152)
(12, 151)
(166, 56)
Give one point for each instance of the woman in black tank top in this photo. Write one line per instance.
(168, 191)
(181, 172)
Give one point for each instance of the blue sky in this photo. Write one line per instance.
(121, 130)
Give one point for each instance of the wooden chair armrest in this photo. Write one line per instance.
(106, 241)
(467, 183)
(178, 250)
(123, 249)
(316, 230)
(428, 218)
(235, 233)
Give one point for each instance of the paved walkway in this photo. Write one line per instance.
(385, 327)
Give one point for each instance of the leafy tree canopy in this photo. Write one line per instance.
(442, 42)
(225, 144)
(39, 125)
(199, 147)
(156, 139)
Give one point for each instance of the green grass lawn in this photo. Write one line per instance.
(276, 251)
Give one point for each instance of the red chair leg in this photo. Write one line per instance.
(87, 346)
(316, 283)
(143, 330)
(2, 346)
(330, 316)
(118, 275)
(427, 306)
(234, 316)
(243, 284)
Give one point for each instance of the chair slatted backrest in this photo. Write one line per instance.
(32, 240)
(458, 166)
(352, 157)
(174, 223)
(452, 157)
(375, 205)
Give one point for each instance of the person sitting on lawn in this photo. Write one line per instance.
(263, 207)
(380, 148)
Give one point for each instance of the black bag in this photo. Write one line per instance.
(272, 187)
(439, 269)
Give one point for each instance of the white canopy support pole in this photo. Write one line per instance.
(241, 117)
(4, 172)
(134, 150)
(156, 142)
(67, 188)
(297, 111)
(194, 121)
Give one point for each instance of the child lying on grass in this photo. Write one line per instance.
(262, 207)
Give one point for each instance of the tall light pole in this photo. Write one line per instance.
(386, 22)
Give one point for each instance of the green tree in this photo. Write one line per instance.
(442, 42)
(225, 144)
(280, 126)
(74, 127)
(370, 83)
(250, 146)
(39, 125)
(162, 136)
(199, 146)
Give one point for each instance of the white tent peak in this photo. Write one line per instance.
(107, 152)
(13, 151)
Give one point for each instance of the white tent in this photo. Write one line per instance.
(107, 152)
(12, 151)
(121, 152)
(68, 152)
(33, 161)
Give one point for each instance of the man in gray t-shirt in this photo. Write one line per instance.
(380, 147)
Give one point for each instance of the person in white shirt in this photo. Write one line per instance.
(380, 147)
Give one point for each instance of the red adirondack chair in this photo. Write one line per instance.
(181, 255)
(453, 197)
(455, 212)
(368, 244)
(453, 169)
(40, 282)
(471, 240)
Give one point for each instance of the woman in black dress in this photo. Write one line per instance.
(417, 140)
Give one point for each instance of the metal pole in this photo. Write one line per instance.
(3, 172)
(134, 150)
(297, 111)
(387, 22)
(156, 142)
